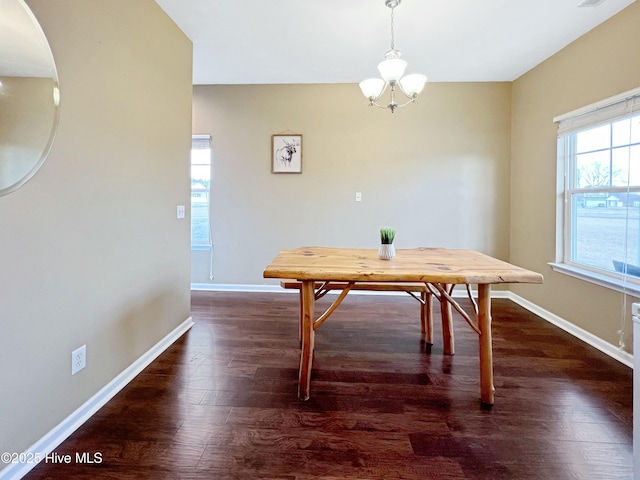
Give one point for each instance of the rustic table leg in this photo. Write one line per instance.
(447, 325)
(487, 389)
(300, 312)
(306, 353)
(426, 319)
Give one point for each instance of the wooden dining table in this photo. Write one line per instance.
(440, 269)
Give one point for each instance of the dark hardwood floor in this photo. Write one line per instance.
(221, 402)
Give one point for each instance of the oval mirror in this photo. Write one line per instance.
(29, 95)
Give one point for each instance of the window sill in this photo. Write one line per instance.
(616, 284)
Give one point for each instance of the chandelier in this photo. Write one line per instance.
(392, 70)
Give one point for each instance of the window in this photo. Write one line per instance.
(200, 191)
(599, 192)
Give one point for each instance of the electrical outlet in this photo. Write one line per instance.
(180, 211)
(78, 359)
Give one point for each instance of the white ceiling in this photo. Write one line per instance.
(342, 41)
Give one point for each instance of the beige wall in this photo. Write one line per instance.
(90, 248)
(602, 63)
(438, 172)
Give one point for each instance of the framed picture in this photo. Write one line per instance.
(286, 153)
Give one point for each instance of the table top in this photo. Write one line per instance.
(432, 265)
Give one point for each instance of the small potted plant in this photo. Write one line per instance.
(387, 251)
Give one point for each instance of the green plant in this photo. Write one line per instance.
(387, 234)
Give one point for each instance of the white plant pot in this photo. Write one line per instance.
(387, 251)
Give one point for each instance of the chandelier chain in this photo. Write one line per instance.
(393, 39)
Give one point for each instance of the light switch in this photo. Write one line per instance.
(358, 196)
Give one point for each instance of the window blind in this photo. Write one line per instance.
(601, 112)
(200, 142)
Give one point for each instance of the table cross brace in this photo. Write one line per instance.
(336, 303)
(440, 291)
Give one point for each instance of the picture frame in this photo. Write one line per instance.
(286, 153)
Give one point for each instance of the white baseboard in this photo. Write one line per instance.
(587, 337)
(62, 431)
(219, 287)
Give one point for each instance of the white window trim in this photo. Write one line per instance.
(619, 283)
